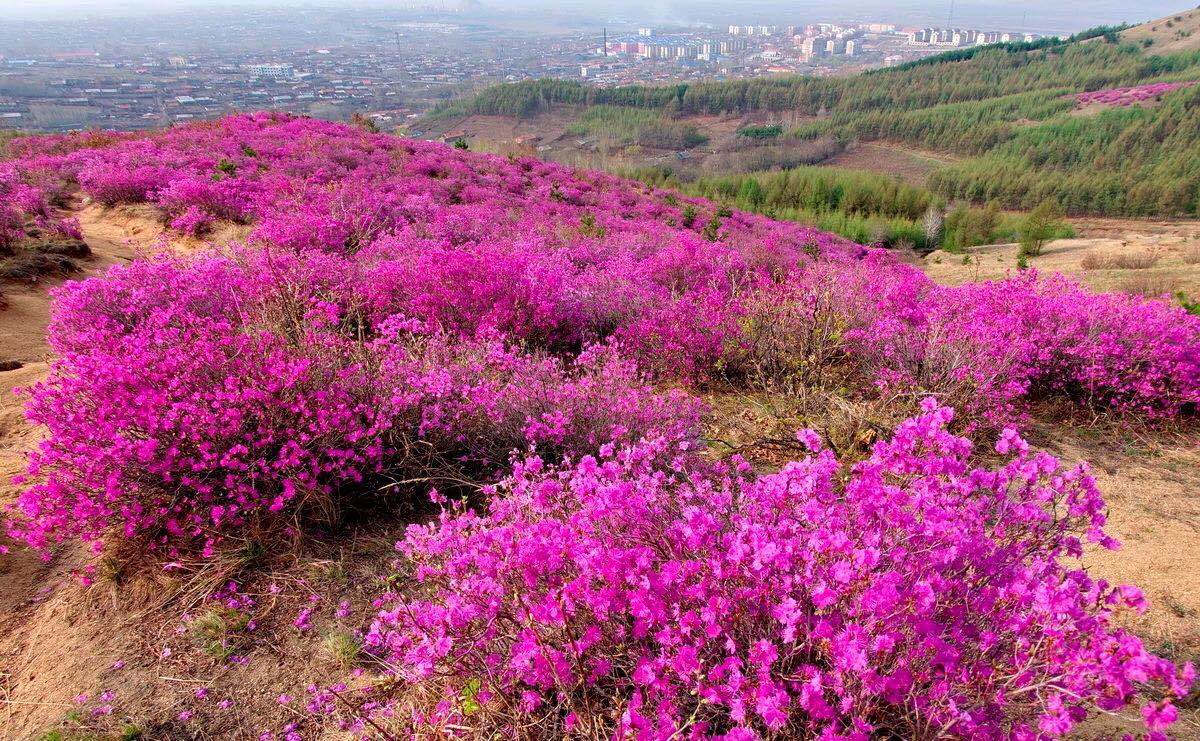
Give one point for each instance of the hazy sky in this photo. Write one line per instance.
(1055, 15)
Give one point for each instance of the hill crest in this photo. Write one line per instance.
(1170, 34)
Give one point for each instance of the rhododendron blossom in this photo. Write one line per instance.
(913, 592)
(1127, 96)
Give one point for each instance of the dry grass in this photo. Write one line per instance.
(1191, 255)
(1097, 261)
(1150, 285)
(30, 268)
(1172, 34)
(43, 260)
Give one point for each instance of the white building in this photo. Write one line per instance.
(272, 71)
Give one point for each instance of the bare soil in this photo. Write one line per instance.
(1175, 244)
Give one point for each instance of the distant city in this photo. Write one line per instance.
(394, 65)
(763, 50)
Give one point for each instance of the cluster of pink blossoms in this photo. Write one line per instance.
(192, 395)
(403, 307)
(620, 597)
(1127, 96)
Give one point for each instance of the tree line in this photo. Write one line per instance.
(1008, 108)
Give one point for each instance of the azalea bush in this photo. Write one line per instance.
(984, 348)
(914, 593)
(1127, 96)
(191, 397)
(233, 383)
(10, 229)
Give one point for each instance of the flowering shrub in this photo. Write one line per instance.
(616, 596)
(541, 255)
(1127, 96)
(192, 397)
(221, 385)
(981, 347)
(11, 230)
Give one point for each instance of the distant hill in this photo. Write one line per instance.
(1009, 115)
(1175, 33)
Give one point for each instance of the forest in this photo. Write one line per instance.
(1013, 111)
(637, 126)
(864, 207)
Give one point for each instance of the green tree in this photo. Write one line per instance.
(1039, 227)
(751, 196)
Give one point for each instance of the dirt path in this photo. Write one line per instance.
(51, 647)
(1173, 248)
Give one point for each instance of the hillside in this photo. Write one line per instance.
(1023, 123)
(345, 434)
(1169, 35)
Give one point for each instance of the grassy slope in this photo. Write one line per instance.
(1174, 33)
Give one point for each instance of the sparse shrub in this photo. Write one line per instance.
(932, 225)
(1150, 285)
(759, 157)
(688, 219)
(31, 266)
(792, 337)
(766, 131)
(589, 228)
(366, 123)
(1039, 227)
(1095, 261)
(11, 231)
(219, 630)
(227, 168)
(970, 227)
(342, 647)
(639, 127)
